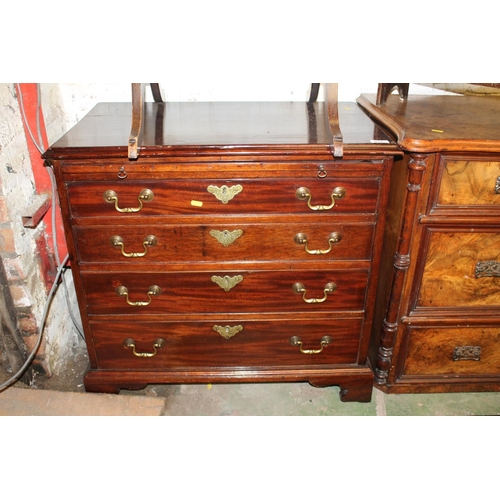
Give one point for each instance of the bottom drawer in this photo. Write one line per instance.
(453, 351)
(225, 344)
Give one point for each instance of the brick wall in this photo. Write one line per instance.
(21, 247)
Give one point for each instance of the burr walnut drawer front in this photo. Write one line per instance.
(223, 343)
(225, 291)
(462, 269)
(216, 242)
(468, 183)
(453, 351)
(213, 196)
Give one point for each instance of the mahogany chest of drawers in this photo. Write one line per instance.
(236, 248)
(437, 326)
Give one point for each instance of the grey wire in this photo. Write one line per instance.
(21, 105)
(38, 121)
(15, 377)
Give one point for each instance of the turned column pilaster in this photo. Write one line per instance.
(416, 168)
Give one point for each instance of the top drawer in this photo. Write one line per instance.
(207, 196)
(469, 183)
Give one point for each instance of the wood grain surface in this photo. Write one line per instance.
(430, 351)
(449, 275)
(466, 183)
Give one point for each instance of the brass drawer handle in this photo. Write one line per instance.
(158, 343)
(300, 288)
(228, 331)
(497, 186)
(304, 194)
(301, 239)
(154, 291)
(145, 195)
(297, 341)
(225, 193)
(487, 269)
(149, 241)
(467, 352)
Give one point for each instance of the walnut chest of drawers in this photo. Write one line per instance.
(236, 248)
(437, 326)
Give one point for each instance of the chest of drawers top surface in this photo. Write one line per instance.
(222, 127)
(439, 123)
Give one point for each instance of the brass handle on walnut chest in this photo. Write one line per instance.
(158, 343)
(300, 288)
(487, 269)
(467, 352)
(297, 341)
(145, 195)
(304, 194)
(154, 291)
(149, 241)
(301, 239)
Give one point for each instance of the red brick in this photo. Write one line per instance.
(20, 296)
(40, 363)
(7, 243)
(27, 325)
(13, 268)
(3, 210)
(31, 342)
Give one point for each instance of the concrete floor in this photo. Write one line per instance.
(64, 394)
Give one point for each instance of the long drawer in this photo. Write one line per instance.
(224, 242)
(219, 343)
(226, 291)
(462, 269)
(213, 196)
(453, 351)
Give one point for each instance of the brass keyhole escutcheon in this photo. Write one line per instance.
(226, 237)
(225, 193)
(228, 331)
(304, 193)
(227, 282)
